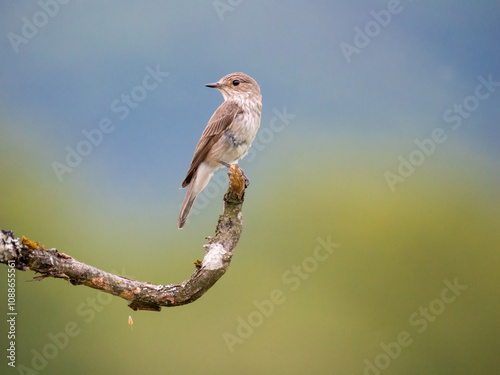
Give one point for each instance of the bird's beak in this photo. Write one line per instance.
(214, 85)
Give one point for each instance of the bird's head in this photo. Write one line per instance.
(237, 86)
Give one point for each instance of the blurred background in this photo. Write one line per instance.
(379, 138)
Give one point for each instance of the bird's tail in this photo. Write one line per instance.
(200, 179)
(186, 206)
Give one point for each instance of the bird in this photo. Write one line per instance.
(227, 136)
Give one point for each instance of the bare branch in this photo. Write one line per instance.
(29, 255)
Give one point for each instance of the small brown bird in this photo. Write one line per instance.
(227, 137)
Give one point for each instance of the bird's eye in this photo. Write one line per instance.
(236, 82)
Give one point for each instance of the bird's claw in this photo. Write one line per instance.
(247, 180)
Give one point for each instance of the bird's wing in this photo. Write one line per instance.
(219, 122)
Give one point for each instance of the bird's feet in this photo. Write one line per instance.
(228, 166)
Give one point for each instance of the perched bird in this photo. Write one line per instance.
(227, 137)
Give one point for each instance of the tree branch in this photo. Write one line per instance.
(29, 255)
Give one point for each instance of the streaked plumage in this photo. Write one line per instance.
(227, 137)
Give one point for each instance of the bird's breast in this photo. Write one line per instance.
(239, 136)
